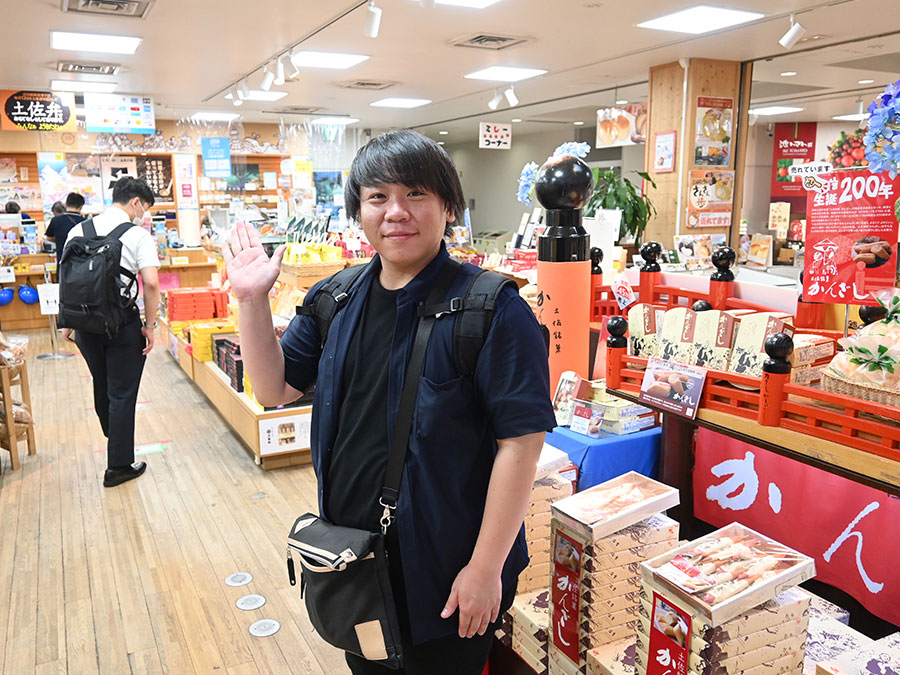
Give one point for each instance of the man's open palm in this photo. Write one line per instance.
(251, 272)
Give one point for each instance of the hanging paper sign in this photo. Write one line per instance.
(712, 144)
(812, 169)
(566, 595)
(670, 635)
(851, 237)
(111, 170)
(7, 275)
(37, 111)
(622, 126)
(216, 157)
(794, 146)
(48, 296)
(622, 290)
(494, 136)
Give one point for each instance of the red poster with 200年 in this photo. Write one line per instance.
(851, 236)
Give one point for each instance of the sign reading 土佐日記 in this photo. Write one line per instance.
(851, 236)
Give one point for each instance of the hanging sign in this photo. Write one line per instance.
(622, 125)
(494, 136)
(670, 635)
(216, 157)
(851, 237)
(118, 114)
(37, 111)
(48, 296)
(111, 170)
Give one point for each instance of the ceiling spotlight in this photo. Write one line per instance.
(244, 89)
(268, 79)
(865, 82)
(279, 72)
(495, 102)
(373, 20)
(516, 119)
(621, 101)
(511, 97)
(236, 99)
(789, 73)
(443, 133)
(793, 35)
(578, 124)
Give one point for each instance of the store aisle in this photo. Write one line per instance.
(131, 579)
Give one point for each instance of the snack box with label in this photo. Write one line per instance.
(591, 419)
(614, 505)
(808, 349)
(644, 324)
(728, 572)
(749, 353)
(616, 658)
(631, 426)
(713, 338)
(676, 342)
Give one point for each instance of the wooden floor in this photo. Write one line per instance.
(131, 578)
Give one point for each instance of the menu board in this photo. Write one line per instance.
(851, 237)
(117, 114)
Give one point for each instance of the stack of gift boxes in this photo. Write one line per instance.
(585, 407)
(713, 606)
(530, 626)
(228, 358)
(200, 336)
(189, 304)
(599, 537)
(547, 490)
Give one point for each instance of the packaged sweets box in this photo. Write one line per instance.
(727, 572)
(614, 505)
(749, 353)
(644, 324)
(676, 341)
(616, 658)
(713, 338)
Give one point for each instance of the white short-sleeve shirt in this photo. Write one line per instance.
(138, 246)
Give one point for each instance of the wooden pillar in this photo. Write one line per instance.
(674, 93)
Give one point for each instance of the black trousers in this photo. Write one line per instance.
(116, 366)
(451, 655)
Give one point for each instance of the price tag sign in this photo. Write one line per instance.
(7, 275)
(670, 636)
(48, 296)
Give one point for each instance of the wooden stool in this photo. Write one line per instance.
(11, 432)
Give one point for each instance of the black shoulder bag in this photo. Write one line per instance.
(344, 571)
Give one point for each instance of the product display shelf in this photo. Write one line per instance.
(305, 275)
(17, 315)
(253, 424)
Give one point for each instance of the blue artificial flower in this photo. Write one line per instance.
(571, 148)
(882, 139)
(526, 182)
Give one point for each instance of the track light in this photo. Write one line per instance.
(511, 97)
(495, 102)
(244, 89)
(373, 20)
(268, 79)
(793, 35)
(236, 99)
(279, 72)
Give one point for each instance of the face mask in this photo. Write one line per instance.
(138, 219)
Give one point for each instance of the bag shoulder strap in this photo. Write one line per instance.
(120, 230)
(333, 295)
(88, 228)
(403, 424)
(476, 312)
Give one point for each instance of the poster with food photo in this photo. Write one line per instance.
(794, 143)
(625, 125)
(715, 120)
(710, 201)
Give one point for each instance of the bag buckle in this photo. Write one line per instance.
(387, 516)
(456, 305)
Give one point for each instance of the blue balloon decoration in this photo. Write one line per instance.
(28, 295)
(6, 296)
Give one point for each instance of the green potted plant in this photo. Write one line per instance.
(616, 192)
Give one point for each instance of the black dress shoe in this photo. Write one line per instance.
(115, 477)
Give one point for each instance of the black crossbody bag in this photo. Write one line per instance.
(344, 571)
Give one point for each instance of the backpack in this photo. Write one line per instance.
(475, 308)
(92, 296)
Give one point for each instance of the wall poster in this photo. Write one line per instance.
(715, 121)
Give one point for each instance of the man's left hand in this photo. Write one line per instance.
(67, 334)
(476, 592)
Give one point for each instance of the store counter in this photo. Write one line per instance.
(599, 459)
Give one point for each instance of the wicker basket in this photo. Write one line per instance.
(867, 392)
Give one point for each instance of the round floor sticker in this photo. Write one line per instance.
(264, 628)
(249, 602)
(239, 579)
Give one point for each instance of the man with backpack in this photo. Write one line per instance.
(455, 543)
(60, 226)
(98, 300)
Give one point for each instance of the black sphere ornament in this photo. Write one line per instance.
(871, 313)
(596, 259)
(701, 306)
(617, 327)
(651, 252)
(723, 260)
(563, 186)
(779, 347)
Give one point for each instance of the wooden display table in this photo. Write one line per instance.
(277, 438)
(11, 432)
(196, 272)
(17, 315)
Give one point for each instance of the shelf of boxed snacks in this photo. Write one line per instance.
(19, 313)
(761, 384)
(203, 339)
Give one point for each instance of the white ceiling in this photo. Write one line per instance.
(192, 50)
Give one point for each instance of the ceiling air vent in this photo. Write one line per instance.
(370, 85)
(493, 42)
(87, 68)
(295, 110)
(132, 8)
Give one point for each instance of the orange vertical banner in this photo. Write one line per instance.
(564, 296)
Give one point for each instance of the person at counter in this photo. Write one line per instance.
(59, 228)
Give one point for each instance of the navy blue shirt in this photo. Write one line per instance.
(455, 428)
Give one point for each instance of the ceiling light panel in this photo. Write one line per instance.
(775, 110)
(88, 42)
(259, 95)
(505, 74)
(401, 102)
(855, 117)
(701, 19)
(336, 60)
(474, 4)
(76, 86)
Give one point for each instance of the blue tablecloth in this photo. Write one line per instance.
(599, 459)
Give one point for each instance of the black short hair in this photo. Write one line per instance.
(58, 208)
(75, 200)
(13, 207)
(127, 188)
(407, 157)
